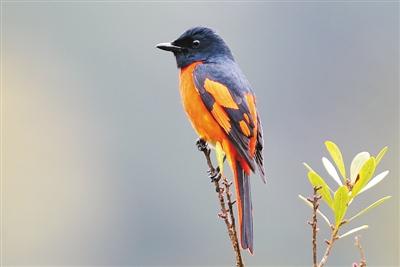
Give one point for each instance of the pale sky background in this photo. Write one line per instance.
(100, 165)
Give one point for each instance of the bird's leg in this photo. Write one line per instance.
(213, 173)
(201, 145)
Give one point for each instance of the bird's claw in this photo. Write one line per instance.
(214, 174)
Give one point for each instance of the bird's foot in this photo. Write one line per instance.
(214, 174)
(201, 145)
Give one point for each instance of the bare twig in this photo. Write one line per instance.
(226, 213)
(313, 223)
(363, 262)
(233, 235)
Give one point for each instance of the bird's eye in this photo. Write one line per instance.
(195, 43)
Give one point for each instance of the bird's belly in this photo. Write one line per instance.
(201, 119)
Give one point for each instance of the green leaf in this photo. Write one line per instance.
(366, 172)
(331, 170)
(337, 157)
(381, 154)
(308, 167)
(317, 181)
(308, 203)
(352, 231)
(341, 199)
(356, 164)
(373, 205)
(374, 181)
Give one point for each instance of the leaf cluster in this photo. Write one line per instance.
(358, 180)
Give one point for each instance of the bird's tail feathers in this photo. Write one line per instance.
(245, 209)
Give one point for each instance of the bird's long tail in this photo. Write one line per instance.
(245, 209)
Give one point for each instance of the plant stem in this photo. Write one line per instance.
(226, 214)
(334, 237)
(313, 223)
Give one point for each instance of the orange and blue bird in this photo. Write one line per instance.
(221, 106)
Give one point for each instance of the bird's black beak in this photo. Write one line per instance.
(169, 47)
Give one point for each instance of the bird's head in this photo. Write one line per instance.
(197, 44)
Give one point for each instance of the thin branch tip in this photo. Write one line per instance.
(363, 261)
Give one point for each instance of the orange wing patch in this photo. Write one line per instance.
(245, 129)
(220, 93)
(221, 117)
(246, 117)
(252, 106)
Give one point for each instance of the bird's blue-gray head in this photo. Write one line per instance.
(197, 44)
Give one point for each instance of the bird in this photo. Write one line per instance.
(221, 106)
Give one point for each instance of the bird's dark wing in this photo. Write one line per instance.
(228, 96)
(259, 150)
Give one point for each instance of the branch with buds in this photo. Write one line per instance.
(225, 200)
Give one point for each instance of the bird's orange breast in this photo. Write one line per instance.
(202, 120)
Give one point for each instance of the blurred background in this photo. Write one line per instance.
(100, 163)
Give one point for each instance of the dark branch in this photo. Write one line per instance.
(233, 235)
(226, 213)
(313, 222)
